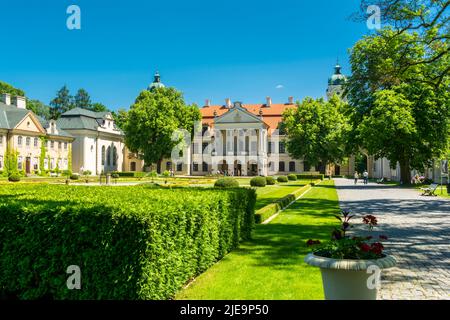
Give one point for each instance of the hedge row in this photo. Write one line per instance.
(266, 212)
(310, 176)
(130, 243)
(133, 174)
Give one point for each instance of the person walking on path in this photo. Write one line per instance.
(366, 177)
(356, 177)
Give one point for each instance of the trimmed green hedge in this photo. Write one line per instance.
(131, 174)
(14, 177)
(266, 212)
(282, 179)
(258, 182)
(310, 176)
(270, 181)
(226, 183)
(292, 177)
(129, 242)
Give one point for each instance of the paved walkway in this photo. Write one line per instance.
(419, 237)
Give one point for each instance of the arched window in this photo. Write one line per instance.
(19, 140)
(28, 141)
(114, 156)
(108, 156)
(103, 155)
(133, 166)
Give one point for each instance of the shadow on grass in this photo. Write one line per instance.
(282, 243)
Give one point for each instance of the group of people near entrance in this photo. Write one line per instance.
(365, 177)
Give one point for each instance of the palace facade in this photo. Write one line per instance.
(39, 144)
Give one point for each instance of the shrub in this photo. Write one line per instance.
(126, 249)
(258, 182)
(282, 179)
(115, 175)
(67, 173)
(292, 177)
(310, 176)
(226, 183)
(270, 181)
(87, 172)
(74, 177)
(14, 177)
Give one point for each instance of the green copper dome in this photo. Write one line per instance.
(156, 82)
(337, 78)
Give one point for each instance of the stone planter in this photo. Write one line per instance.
(345, 279)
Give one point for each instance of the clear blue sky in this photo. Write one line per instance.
(207, 49)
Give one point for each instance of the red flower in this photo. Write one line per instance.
(382, 237)
(365, 247)
(370, 220)
(377, 248)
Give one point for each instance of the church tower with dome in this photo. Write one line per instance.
(336, 83)
(156, 82)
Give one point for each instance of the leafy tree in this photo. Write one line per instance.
(389, 130)
(377, 76)
(152, 120)
(316, 130)
(119, 117)
(82, 100)
(61, 103)
(7, 88)
(429, 21)
(98, 107)
(39, 108)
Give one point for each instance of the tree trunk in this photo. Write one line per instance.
(158, 167)
(405, 172)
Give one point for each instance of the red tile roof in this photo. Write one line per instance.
(271, 115)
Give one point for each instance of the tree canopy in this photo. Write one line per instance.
(7, 88)
(152, 120)
(317, 130)
(378, 74)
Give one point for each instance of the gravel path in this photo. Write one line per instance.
(418, 228)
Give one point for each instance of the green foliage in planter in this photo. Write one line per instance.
(226, 183)
(270, 181)
(292, 177)
(74, 177)
(282, 179)
(126, 249)
(258, 182)
(14, 177)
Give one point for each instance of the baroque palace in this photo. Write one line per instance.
(236, 139)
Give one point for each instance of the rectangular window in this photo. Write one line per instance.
(36, 142)
(65, 145)
(179, 167)
(19, 141)
(204, 167)
(52, 144)
(282, 148)
(1, 139)
(281, 166)
(28, 141)
(59, 145)
(36, 163)
(19, 163)
(292, 166)
(46, 164)
(195, 167)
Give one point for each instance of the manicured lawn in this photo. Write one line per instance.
(270, 194)
(271, 265)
